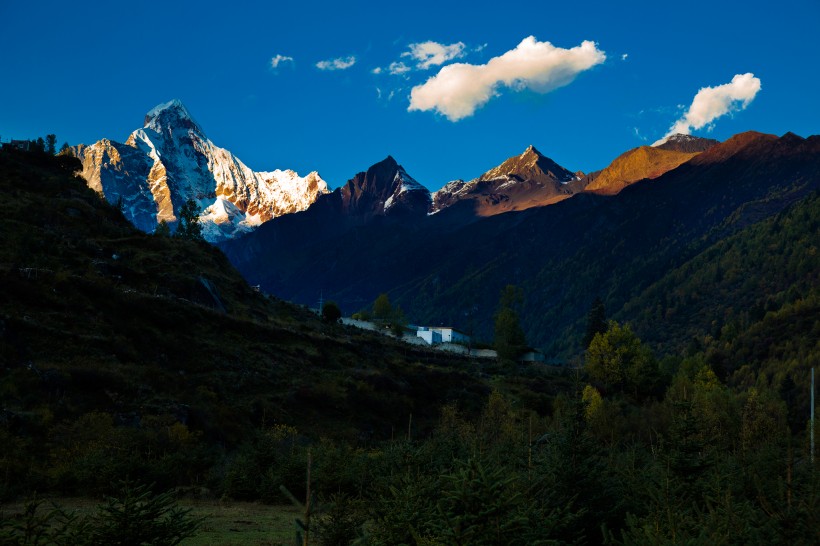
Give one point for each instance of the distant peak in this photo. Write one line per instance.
(791, 137)
(531, 150)
(174, 106)
(388, 162)
(680, 142)
(169, 113)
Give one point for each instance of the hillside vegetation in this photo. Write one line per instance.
(126, 355)
(120, 350)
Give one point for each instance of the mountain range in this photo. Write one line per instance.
(149, 356)
(444, 256)
(613, 241)
(170, 160)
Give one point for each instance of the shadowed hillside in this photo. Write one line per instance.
(104, 326)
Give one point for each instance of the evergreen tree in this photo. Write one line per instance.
(189, 226)
(38, 145)
(596, 321)
(509, 336)
(51, 144)
(578, 475)
(162, 229)
(139, 516)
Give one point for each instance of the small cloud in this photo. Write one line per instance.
(378, 93)
(625, 56)
(276, 60)
(377, 70)
(638, 134)
(480, 48)
(460, 88)
(340, 63)
(398, 68)
(427, 54)
(711, 103)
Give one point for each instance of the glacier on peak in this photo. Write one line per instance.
(170, 160)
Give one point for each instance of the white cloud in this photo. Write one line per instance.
(711, 103)
(460, 88)
(398, 68)
(341, 63)
(377, 70)
(279, 59)
(427, 54)
(625, 56)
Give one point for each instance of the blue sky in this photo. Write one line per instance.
(85, 71)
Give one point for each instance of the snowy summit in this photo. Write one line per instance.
(170, 160)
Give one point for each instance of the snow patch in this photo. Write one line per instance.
(407, 182)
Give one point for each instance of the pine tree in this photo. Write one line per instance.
(510, 340)
(51, 144)
(162, 229)
(189, 226)
(596, 321)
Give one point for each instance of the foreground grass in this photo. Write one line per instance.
(226, 523)
(242, 523)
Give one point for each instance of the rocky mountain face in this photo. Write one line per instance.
(171, 160)
(521, 182)
(646, 162)
(385, 189)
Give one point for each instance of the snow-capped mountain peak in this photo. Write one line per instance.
(170, 160)
(171, 114)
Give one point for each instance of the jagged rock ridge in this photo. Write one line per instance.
(384, 189)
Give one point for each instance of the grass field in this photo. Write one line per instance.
(242, 523)
(226, 523)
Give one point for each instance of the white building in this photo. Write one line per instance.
(441, 334)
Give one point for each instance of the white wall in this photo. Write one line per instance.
(429, 335)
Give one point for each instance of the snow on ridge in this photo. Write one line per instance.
(408, 183)
(677, 137)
